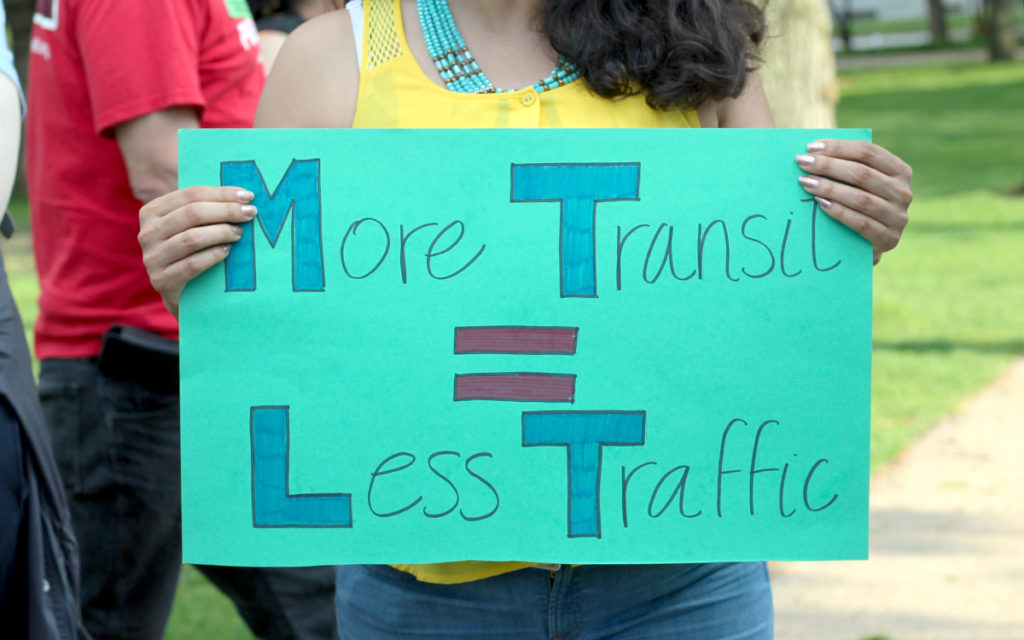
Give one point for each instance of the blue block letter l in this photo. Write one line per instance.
(272, 503)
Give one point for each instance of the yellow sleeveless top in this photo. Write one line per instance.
(395, 93)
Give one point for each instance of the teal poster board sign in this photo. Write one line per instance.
(606, 346)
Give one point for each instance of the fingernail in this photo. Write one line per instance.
(816, 146)
(825, 204)
(808, 182)
(248, 211)
(244, 196)
(804, 159)
(237, 230)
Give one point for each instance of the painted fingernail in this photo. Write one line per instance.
(825, 204)
(816, 146)
(248, 211)
(244, 196)
(804, 159)
(808, 182)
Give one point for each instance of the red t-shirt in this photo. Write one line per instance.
(95, 64)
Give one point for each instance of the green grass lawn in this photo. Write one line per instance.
(949, 303)
(201, 612)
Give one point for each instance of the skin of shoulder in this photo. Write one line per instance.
(748, 110)
(270, 45)
(315, 79)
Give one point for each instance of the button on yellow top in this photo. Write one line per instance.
(530, 97)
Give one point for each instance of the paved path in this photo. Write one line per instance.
(947, 539)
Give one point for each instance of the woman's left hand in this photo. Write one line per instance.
(862, 185)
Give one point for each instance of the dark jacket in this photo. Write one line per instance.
(51, 552)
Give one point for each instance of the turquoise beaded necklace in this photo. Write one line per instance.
(456, 64)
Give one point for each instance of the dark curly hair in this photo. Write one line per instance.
(264, 8)
(679, 53)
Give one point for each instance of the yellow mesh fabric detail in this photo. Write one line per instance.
(382, 31)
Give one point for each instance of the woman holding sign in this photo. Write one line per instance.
(532, 63)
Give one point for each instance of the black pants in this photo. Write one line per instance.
(117, 447)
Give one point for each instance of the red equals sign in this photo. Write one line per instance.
(516, 386)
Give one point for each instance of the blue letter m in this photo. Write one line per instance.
(298, 192)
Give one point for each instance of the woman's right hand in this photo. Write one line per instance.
(185, 232)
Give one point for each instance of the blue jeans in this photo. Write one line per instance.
(625, 602)
(118, 450)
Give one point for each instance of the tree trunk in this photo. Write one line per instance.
(1003, 35)
(937, 15)
(799, 71)
(841, 20)
(19, 17)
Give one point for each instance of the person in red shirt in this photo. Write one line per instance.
(111, 82)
